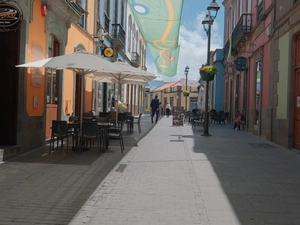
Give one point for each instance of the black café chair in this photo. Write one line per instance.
(116, 134)
(129, 121)
(137, 121)
(103, 129)
(59, 131)
(89, 133)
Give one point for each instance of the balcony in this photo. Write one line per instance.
(135, 59)
(67, 10)
(118, 37)
(242, 30)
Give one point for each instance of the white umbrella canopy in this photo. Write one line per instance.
(128, 74)
(129, 71)
(81, 62)
(109, 79)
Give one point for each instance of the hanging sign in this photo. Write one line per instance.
(241, 63)
(10, 17)
(108, 52)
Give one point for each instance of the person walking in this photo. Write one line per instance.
(168, 109)
(161, 109)
(154, 108)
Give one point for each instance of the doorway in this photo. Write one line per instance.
(53, 84)
(9, 53)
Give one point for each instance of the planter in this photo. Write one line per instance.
(186, 95)
(205, 76)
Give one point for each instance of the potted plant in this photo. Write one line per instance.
(186, 93)
(208, 72)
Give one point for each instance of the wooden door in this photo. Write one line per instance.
(296, 122)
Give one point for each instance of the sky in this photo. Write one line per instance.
(193, 40)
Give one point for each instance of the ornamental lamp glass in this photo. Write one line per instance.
(213, 9)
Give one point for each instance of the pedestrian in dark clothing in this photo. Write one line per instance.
(154, 108)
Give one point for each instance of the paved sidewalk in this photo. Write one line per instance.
(177, 176)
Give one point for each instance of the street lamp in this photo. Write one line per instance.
(186, 72)
(212, 9)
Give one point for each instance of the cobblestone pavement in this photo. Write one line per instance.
(172, 175)
(177, 176)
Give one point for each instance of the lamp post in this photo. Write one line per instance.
(186, 72)
(212, 9)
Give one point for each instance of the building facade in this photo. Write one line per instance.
(284, 83)
(172, 93)
(247, 62)
(48, 28)
(266, 34)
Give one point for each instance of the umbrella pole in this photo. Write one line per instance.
(118, 99)
(81, 106)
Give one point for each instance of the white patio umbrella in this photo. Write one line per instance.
(128, 74)
(124, 81)
(81, 62)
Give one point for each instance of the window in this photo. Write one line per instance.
(116, 11)
(172, 101)
(249, 3)
(259, 9)
(193, 104)
(240, 12)
(83, 20)
(122, 14)
(107, 7)
(53, 78)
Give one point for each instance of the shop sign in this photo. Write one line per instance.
(241, 64)
(10, 17)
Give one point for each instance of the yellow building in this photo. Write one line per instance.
(172, 92)
(41, 29)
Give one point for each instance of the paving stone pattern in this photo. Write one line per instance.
(169, 175)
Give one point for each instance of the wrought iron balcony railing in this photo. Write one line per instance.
(135, 59)
(118, 33)
(243, 28)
